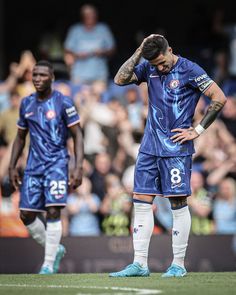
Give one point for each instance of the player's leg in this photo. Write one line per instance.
(53, 237)
(180, 235)
(177, 188)
(55, 191)
(145, 188)
(142, 230)
(142, 227)
(35, 226)
(31, 204)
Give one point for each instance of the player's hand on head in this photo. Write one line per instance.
(183, 135)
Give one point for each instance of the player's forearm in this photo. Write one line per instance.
(218, 101)
(126, 71)
(78, 149)
(17, 150)
(210, 116)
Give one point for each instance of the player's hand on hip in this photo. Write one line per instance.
(14, 178)
(183, 135)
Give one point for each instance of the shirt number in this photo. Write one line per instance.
(175, 175)
(58, 187)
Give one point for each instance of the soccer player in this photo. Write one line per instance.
(49, 116)
(163, 165)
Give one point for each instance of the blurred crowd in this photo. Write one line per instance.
(113, 121)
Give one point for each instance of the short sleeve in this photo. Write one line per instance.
(199, 78)
(141, 72)
(71, 39)
(109, 41)
(70, 112)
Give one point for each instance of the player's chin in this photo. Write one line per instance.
(39, 88)
(166, 71)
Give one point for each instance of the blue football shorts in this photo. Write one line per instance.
(40, 191)
(162, 176)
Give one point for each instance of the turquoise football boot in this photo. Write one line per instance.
(175, 271)
(61, 251)
(45, 270)
(132, 270)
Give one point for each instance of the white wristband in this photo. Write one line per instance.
(199, 129)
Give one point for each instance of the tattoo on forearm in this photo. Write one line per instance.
(211, 114)
(125, 72)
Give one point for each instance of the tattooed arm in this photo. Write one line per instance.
(218, 100)
(125, 75)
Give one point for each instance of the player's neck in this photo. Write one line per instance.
(175, 59)
(44, 94)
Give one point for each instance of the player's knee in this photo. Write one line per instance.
(178, 202)
(27, 217)
(53, 213)
(143, 198)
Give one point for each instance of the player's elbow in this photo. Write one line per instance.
(118, 81)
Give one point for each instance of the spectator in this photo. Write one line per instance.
(229, 115)
(10, 223)
(224, 209)
(200, 206)
(82, 208)
(162, 214)
(9, 117)
(102, 166)
(88, 44)
(116, 207)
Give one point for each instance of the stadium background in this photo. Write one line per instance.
(188, 27)
(22, 23)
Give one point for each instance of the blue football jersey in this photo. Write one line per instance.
(172, 101)
(48, 123)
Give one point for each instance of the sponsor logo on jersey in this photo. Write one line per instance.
(174, 84)
(71, 111)
(28, 114)
(50, 114)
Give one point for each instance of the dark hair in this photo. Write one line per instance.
(45, 63)
(154, 46)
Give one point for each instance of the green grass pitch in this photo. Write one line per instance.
(209, 283)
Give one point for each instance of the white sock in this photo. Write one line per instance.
(180, 234)
(37, 231)
(53, 237)
(142, 231)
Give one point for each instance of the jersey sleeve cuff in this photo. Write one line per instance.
(21, 127)
(73, 123)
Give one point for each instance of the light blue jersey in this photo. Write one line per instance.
(81, 40)
(172, 101)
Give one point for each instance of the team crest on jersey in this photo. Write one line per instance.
(50, 114)
(174, 84)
